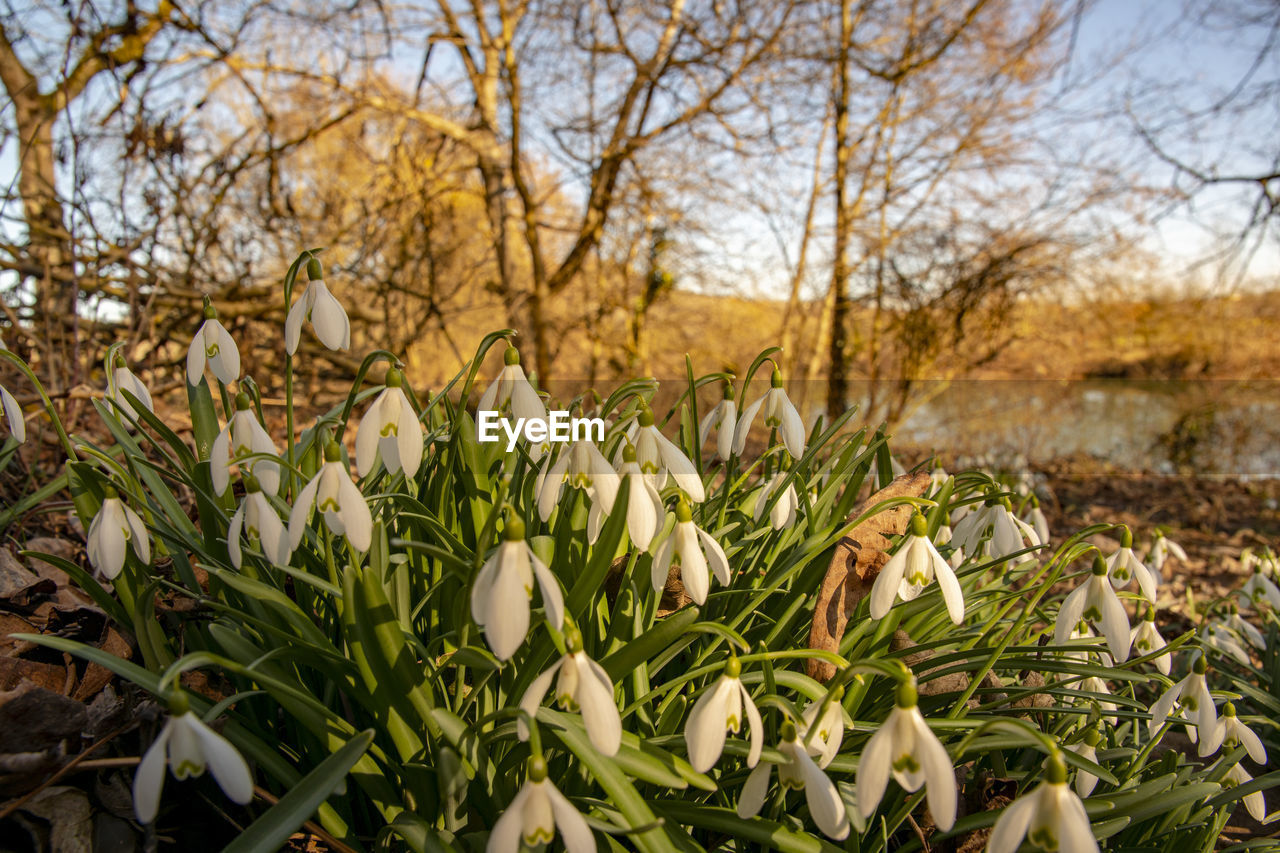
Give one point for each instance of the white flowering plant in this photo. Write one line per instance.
(435, 645)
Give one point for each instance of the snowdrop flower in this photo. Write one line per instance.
(1146, 638)
(257, 520)
(511, 392)
(720, 710)
(212, 345)
(1162, 548)
(823, 742)
(114, 527)
(120, 379)
(13, 413)
(241, 437)
(686, 544)
(338, 499)
(1038, 522)
(1008, 532)
(779, 414)
(1243, 628)
(390, 430)
(1093, 684)
(1095, 601)
(1191, 703)
(797, 770)
(915, 564)
(1219, 638)
(584, 467)
(1230, 732)
(187, 746)
(644, 505)
(1255, 803)
(905, 746)
(659, 457)
(723, 418)
(328, 319)
(1260, 591)
(503, 588)
(583, 685)
(1123, 566)
(1087, 749)
(1083, 632)
(1051, 817)
(783, 512)
(536, 813)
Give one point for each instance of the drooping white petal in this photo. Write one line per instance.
(825, 806)
(705, 728)
(293, 323)
(329, 319)
(693, 563)
(534, 695)
(940, 777)
(137, 535)
(225, 763)
(549, 491)
(755, 724)
(792, 429)
(751, 800)
(599, 710)
(716, 559)
(355, 514)
(233, 537)
(873, 767)
(148, 780)
(1074, 832)
(367, 435)
(684, 472)
(509, 605)
(408, 437)
(952, 594)
(1115, 622)
(1012, 824)
(660, 567)
(885, 588)
(744, 426)
(13, 414)
(1069, 613)
(552, 598)
(642, 520)
(574, 831)
(301, 512)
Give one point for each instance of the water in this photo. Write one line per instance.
(1211, 428)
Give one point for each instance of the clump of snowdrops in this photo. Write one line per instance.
(437, 644)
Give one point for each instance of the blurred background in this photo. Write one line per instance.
(1032, 227)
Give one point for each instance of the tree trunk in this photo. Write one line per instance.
(837, 382)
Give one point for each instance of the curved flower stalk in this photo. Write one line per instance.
(1230, 732)
(723, 418)
(913, 567)
(1254, 803)
(503, 590)
(1008, 533)
(1087, 749)
(1190, 703)
(1162, 548)
(1095, 602)
(327, 317)
(783, 513)
(390, 430)
(214, 346)
(241, 437)
(720, 710)
(1259, 591)
(695, 550)
(187, 747)
(905, 746)
(581, 466)
(1123, 566)
(584, 686)
(645, 509)
(660, 458)
(1146, 638)
(797, 770)
(536, 813)
(779, 413)
(256, 520)
(1050, 817)
(119, 379)
(823, 741)
(338, 499)
(113, 529)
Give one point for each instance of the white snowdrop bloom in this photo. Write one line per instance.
(783, 512)
(913, 567)
(1190, 702)
(581, 466)
(1008, 533)
(1242, 627)
(534, 816)
(938, 478)
(1050, 817)
(338, 499)
(214, 346)
(390, 430)
(1146, 638)
(797, 770)
(659, 457)
(723, 418)
(120, 379)
(322, 309)
(1087, 749)
(1083, 632)
(719, 710)
(645, 510)
(503, 590)
(1095, 602)
(1259, 591)
(1035, 518)
(511, 392)
(256, 520)
(1255, 803)
(583, 686)
(13, 414)
(1162, 548)
(696, 551)
(241, 437)
(1224, 641)
(1123, 566)
(779, 414)
(905, 746)
(113, 529)
(187, 746)
(1093, 684)
(823, 741)
(1230, 732)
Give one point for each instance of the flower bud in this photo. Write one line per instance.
(514, 531)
